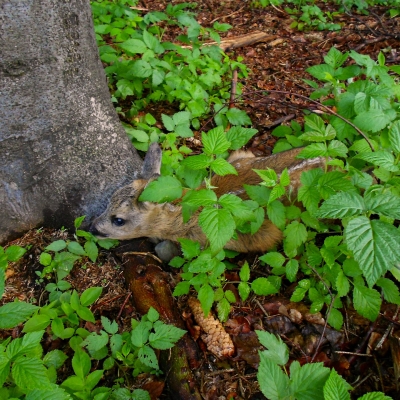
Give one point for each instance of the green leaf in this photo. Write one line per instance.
(342, 284)
(85, 314)
(244, 272)
(390, 290)
(374, 120)
(78, 221)
(260, 194)
(367, 302)
(308, 381)
(375, 245)
(74, 383)
(37, 323)
(218, 225)
(58, 245)
(76, 248)
(276, 214)
(332, 182)
(386, 204)
(277, 351)
(201, 161)
(375, 396)
(148, 357)
(292, 268)
(89, 296)
(91, 249)
(133, 46)
(244, 290)
(14, 253)
(263, 287)
(335, 319)
(164, 189)
(165, 336)
(140, 334)
(380, 158)
(336, 388)
(239, 136)
(215, 141)
(206, 298)
(308, 192)
(222, 167)
(394, 136)
(12, 314)
(93, 379)
(223, 309)
(45, 259)
(95, 341)
(182, 288)
(55, 358)
(238, 117)
(273, 258)
(295, 234)
(29, 373)
(189, 248)
(274, 383)
(342, 204)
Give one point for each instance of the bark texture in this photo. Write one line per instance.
(63, 151)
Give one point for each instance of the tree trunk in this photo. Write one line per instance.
(63, 151)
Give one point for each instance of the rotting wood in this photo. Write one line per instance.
(150, 288)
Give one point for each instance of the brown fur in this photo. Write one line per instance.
(164, 221)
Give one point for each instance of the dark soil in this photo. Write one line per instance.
(277, 65)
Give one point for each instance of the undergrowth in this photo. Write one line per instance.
(354, 204)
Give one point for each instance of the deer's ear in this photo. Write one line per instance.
(152, 163)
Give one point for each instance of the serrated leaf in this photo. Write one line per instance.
(238, 117)
(181, 288)
(273, 258)
(374, 120)
(218, 225)
(215, 141)
(198, 198)
(133, 46)
(201, 161)
(12, 314)
(337, 149)
(367, 302)
(148, 357)
(292, 267)
(308, 381)
(165, 336)
(30, 373)
(168, 122)
(190, 249)
(314, 150)
(244, 290)
(164, 189)
(335, 319)
(95, 341)
(375, 245)
(336, 388)
(390, 290)
(308, 192)
(295, 234)
(342, 284)
(263, 287)
(260, 194)
(394, 136)
(342, 204)
(140, 334)
(276, 214)
(244, 272)
(332, 182)
(274, 383)
(277, 351)
(14, 253)
(386, 204)
(380, 158)
(222, 167)
(206, 298)
(239, 136)
(223, 309)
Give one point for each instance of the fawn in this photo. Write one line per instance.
(128, 218)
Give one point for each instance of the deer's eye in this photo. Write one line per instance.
(118, 221)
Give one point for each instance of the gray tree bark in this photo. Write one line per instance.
(63, 151)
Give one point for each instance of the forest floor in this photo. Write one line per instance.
(278, 63)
